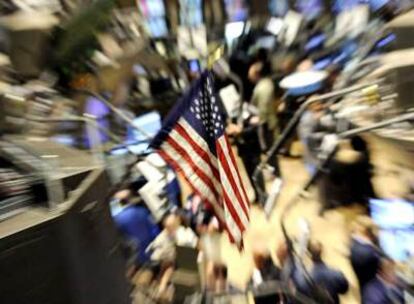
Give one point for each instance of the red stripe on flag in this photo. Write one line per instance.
(197, 170)
(233, 159)
(200, 151)
(227, 171)
(178, 168)
(233, 212)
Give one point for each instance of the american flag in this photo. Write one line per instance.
(192, 140)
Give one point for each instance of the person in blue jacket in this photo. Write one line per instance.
(136, 224)
(330, 281)
(365, 255)
(384, 288)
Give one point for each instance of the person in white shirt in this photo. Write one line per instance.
(173, 234)
(163, 248)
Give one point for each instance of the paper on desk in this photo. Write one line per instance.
(150, 173)
(150, 194)
(153, 168)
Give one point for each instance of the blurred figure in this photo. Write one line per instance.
(136, 224)
(261, 127)
(366, 172)
(288, 104)
(263, 99)
(365, 255)
(310, 135)
(285, 262)
(264, 269)
(383, 289)
(331, 281)
(220, 283)
(174, 233)
(209, 250)
(173, 192)
(305, 65)
(199, 213)
(347, 180)
(163, 249)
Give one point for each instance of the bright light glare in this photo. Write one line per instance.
(275, 25)
(234, 30)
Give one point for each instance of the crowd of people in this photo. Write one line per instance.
(155, 258)
(191, 224)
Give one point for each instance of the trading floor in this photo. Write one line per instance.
(333, 229)
(207, 152)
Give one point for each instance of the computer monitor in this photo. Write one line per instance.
(395, 218)
(157, 27)
(191, 13)
(137, 142)
(194, 65)
(153, 12)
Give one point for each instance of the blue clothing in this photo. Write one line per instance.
(99, 110)
(173, 190)
(376, 292)
(135, 223)
(365, 259)
(334, 282)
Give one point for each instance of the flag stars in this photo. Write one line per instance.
(206, 110)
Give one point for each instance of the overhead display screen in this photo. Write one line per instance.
(153, 12)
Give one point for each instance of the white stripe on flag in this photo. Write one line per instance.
(202, 188)
(201, 163)
(232, 227)
(198, 139)
(189, 172)
(232, 196)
